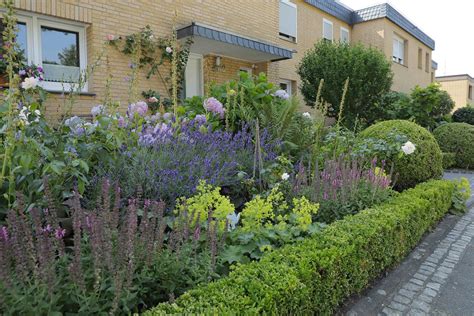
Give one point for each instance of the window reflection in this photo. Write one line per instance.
(60, 54)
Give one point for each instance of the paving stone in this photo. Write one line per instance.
(390, 312)
(416, 281)
(381, 292)
(430, 292)
(434, 286)
(412, 287)
(402, 299)
(398, 307)
(441, 275)
(421, 306)
(425, 298)
(445, 270)
(407, 293)
(420, 276)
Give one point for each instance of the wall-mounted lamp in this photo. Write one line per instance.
(218, 66)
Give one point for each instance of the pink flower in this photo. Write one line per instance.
(214, 106)
(152, 100)
(110, 37)
(140, 108)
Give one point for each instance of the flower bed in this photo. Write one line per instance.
(318, 274)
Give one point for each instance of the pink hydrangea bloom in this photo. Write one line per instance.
(214, 106)
(110, 37)
(140, 108)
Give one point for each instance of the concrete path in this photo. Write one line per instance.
(437, 278)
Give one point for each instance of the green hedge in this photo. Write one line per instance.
(318, 274)
(457, 138)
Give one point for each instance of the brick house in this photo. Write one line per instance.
(269, 36)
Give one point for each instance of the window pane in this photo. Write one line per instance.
(327, 30)
(60, 54)
(21, 39)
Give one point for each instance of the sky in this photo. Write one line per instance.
(449, 23)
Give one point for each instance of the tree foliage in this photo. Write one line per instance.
(369, 73)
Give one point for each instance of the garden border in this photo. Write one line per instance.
(318, 274)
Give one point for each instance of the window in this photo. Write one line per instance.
(344, 35)
(470, 93)
(246, 69)
(327, 30)
(288, 20)
(398, 50)
(286, 85)
(193, 76)
(420, 58)
(21, 39)
(427, 62)
(60, 48)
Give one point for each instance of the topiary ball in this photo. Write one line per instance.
(457, 138)
(464, 115)
(424, 163)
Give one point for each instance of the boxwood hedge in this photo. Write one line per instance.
(318, 274)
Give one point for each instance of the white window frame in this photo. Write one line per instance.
(332, 29)
(295, 38)
(397, 56)
(343, 29)
(34, 22)
(288, 84)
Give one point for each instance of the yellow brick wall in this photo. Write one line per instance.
(258, 19)
(379, 33)
(122, 17)
(310, 31)
(458, 90)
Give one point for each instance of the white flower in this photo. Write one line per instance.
(307, 115)
(29, 83)
(285, 176)
(408, 148)
(24, 115)
(169, 50)
(233, 220)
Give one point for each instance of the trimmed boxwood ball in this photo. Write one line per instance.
(457, 138)
(424, 164)
(464, 115)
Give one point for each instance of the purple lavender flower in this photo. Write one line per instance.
(167, 116)
(121, 122)
(4, 233)
(59, 233)
(47, 229)
(22, 72)
(200, 119)
(214, 106)
(98, 110)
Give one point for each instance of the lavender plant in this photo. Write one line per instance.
(343, 186)
(172, 159)
(119, 260)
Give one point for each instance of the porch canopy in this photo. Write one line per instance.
(207, 40)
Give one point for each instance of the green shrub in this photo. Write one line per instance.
(369, 73)
(449, 160)
(424, 164)
(318, 274)
(457, 138)
(426, 106)
(464, 115)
